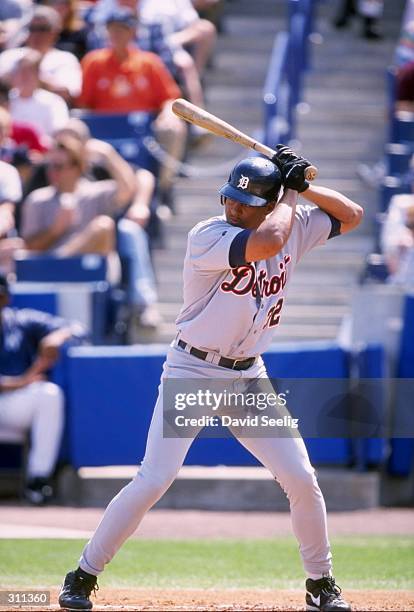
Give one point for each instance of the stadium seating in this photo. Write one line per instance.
(74, 288)
(50, 269)
(402, 128)
(125, 132)
(398, 154)
(398, 157)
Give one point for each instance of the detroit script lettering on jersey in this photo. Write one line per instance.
(247, 280)
(235, 311)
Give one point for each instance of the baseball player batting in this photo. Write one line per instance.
(222, 330)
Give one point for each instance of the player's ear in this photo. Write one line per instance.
(270, 206)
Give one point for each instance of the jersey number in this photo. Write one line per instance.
(273, 316)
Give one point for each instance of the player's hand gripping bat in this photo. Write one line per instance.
(194, 114)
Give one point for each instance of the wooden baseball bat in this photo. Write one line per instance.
(194, 114)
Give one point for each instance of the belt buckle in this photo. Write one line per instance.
(236, 361)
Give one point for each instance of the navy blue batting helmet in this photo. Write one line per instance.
(254, 181)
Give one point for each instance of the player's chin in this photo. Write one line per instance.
(235, 222)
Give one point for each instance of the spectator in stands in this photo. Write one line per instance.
(12, 14)
(211, 10)
(148, 37)
(20, 133)
(10, 191)
(59, 70)
(42, 109)
(369, 11)
(75, 215)
(8, 146)
(10, 195)
(124, 79)
(29, 347)
(405, 88)
(185, 27)
(152, 37)
(132, 240)
(74, 33)
(397, 240)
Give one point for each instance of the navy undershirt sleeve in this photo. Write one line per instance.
(237, 253)
(336, 227)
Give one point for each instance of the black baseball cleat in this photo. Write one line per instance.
(324, 595)
(76, 590)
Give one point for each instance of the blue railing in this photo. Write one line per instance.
(289, 60)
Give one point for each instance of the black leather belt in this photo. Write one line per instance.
(232, 364)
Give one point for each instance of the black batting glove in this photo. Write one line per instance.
(292, 168)
(293, 176)
(285, 155)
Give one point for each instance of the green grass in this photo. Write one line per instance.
(360, 562)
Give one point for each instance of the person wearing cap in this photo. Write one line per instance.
(152, 34)
(60, 71)
(123, 79)
(30, 342)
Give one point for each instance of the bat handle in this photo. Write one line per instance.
(311, 173)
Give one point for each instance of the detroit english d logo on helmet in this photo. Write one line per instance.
(243, 182)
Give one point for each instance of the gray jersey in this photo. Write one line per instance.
(234, 311)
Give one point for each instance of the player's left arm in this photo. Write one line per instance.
(347, 213)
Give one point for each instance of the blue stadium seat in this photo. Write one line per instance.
(125, 132)
(376, 270)
(402, 128)
(50, 269)
(398, 157)
(77, 283)
(391, 185)
(37, 299)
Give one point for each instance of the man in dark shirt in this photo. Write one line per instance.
(29, 346)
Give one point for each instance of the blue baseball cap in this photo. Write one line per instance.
(124, 17)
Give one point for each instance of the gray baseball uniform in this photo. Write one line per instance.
(231, 312)
(234, 311)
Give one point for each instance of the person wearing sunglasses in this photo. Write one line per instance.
(60, 71)
(74, 33)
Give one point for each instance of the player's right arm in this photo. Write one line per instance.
(272, 234)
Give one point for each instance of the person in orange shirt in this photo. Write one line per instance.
(123, 79)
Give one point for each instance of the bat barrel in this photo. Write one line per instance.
(199, 116)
